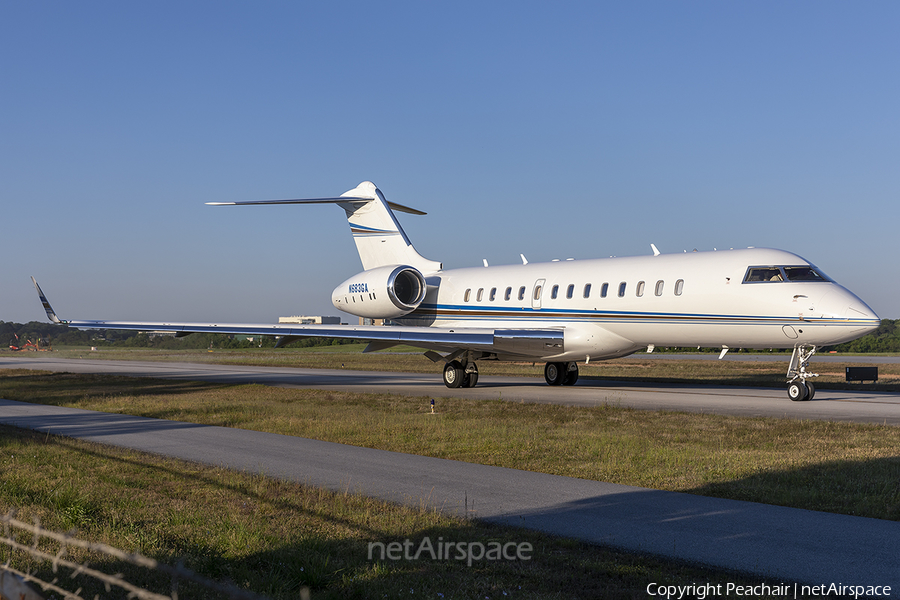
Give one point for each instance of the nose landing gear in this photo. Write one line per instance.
(799, 388)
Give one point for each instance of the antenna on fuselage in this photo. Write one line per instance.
(655, 250)
(524, 260)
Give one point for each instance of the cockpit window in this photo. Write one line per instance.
(804, 274)
(772, 274)
(757, 274)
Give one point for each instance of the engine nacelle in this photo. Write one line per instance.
(382, 293)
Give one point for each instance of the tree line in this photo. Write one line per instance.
(884, 339)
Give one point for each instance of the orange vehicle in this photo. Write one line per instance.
(29, 346)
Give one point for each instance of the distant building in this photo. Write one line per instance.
(156, 334)
(367, 321)
(300, 320)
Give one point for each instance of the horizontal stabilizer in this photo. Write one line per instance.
(379, 238)
(342, 199)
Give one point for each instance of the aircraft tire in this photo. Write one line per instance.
(554, 373)
(571, 374)
(471, 375)
(471, 380)
(454, 374)
(798, 391)
(812, 390)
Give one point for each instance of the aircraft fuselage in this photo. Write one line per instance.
(614, 306)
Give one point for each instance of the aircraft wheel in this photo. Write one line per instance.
(812, 390)
(555, 373)
(454, 374)
(797, 391)
(471, 380)
(571, 374)
(471, 377)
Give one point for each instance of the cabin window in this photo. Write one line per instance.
(587, 290)
(622, 287)
(679, 287)
(570, 291)
(508, 293)
(467, 295)
(493, 294)
(522, 293)
(537, 292)
(640, 289)
(659, 287)
(604, 290)
(553, 292)
(480, 294)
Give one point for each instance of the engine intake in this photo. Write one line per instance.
(382, 293)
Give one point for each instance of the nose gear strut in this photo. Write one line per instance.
(799, 388)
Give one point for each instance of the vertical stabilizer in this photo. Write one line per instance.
(379, 238)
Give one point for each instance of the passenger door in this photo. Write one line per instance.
(536, 294)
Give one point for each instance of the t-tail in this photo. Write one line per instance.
(379, 238)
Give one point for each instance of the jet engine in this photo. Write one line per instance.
(383, 293)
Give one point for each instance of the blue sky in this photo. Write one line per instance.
(570, 129)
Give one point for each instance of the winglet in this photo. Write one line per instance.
(49, 309)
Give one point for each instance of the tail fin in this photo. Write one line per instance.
(379, 238)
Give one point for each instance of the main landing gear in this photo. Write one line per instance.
(560, 373)
(456, 375)
(799, 388)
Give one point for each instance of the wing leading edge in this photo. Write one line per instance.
(530, 343)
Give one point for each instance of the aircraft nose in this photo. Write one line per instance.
(846, 306)
(860, 310)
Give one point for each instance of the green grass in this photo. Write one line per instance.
(275, 537)
(837, 467)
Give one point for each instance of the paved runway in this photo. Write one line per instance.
(782, 544)
(854, 406)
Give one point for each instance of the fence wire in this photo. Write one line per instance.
(47, 545)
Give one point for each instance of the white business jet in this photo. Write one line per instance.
(563, 312)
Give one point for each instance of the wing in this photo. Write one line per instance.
(525, 343)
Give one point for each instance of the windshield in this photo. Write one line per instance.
(784, 273)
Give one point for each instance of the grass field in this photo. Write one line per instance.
(248, 523)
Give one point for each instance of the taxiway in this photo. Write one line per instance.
(831, 405)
